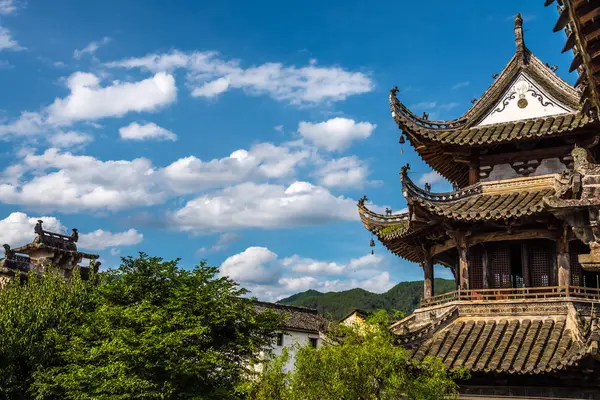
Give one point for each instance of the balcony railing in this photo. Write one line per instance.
(527, 293)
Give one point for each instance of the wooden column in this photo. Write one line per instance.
(463, 258)
(473, 174)
(525, 264)
(562, 259)
(427, 273)
(485, 267)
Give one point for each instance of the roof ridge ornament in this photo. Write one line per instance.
(520, 39)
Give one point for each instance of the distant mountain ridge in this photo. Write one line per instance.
(404, 297)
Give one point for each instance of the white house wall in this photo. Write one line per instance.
(523, 100)
(289, 339)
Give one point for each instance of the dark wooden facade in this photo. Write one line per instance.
(520, 232)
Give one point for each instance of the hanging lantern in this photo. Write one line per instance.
(372, 244)
(401, 141)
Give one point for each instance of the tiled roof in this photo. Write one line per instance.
(484, 207)
(580, 19)
(509, 131)
(296, 318)
(514, 345)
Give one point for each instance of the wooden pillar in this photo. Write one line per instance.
(473, 174)
(485, 268)
(562, 259)
(463, 262)
(463, 258)
(525, 264)
(427, 273)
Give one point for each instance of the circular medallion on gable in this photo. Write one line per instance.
(522, 103)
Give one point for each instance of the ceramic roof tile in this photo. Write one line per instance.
(523, 346)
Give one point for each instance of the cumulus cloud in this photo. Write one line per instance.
(58, 180)
(270, 278)
(335, 134)
(73, 183)
(7, 42)
(101, 239)
(69, 139)
(89, 100)
(149, 131)
(262, 161)
(210, 75)
(91, 48)
(251, 265)
(343, 172)
(29, 123)
(251, 205)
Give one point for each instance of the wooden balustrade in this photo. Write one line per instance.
(526, 293)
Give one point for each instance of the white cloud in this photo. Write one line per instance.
(343, 172)
(100, 239)
(278, 128)
(460, 85)
(90, 101)
(210, 75)
(7, 7)
(251, 205)
(251, 265)
(149, 131)
(267, 277)
(431, 177)
(17, 229)
(69, 139)
(115, 252)
(72, 183)
(335, 134)
(91, 48)
(7, 42)
(29, 123)
(262, 161)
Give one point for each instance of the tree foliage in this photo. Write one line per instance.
(147, 330)
(363, 363)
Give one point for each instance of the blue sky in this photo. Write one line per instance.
(237, 132)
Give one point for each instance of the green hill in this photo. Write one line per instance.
(404, 297)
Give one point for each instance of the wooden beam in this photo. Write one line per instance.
(494, 237)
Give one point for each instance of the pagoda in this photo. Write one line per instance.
(520, 233)
(47, 249)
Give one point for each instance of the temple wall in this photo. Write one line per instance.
(506, 171)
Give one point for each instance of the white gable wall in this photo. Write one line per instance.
(523, 100)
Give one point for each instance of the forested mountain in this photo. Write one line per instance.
(403, 297)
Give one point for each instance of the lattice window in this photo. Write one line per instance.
(500, 266)
(575, 248)
(476, 267)
(540, 264)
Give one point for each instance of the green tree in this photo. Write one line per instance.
(35, 319)
(364, 362)
(160, 332)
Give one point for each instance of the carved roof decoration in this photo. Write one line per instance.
(581, 21)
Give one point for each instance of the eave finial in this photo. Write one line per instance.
(519, 39)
